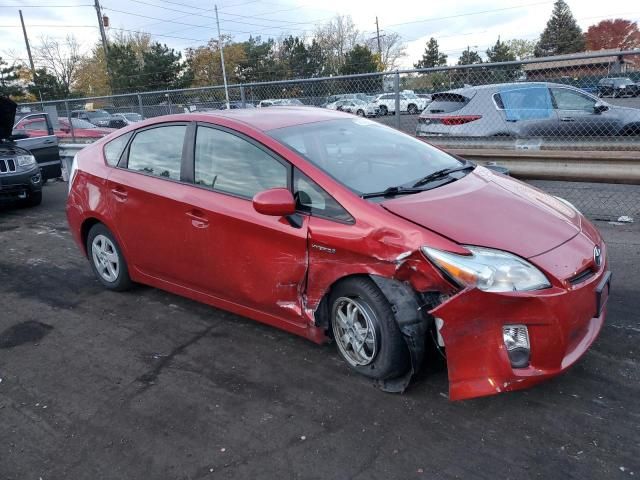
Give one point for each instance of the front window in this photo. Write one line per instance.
(566, 99)
(364, 155)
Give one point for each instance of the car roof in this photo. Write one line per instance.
(495, 87)
(272, 118)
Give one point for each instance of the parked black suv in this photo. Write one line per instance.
(618, 87)
(20, 176)
(100, 118)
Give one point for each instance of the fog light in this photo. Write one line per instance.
(36, 179)
(516, 339)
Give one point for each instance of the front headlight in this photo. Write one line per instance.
(25, 160)
(488, 270)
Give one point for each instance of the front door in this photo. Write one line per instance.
(250, 259)
(578, 116)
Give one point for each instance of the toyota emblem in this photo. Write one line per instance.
(597, 255)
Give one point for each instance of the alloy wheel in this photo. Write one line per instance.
(354, 331)
(105, 258)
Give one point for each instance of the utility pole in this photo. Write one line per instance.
(102, 32)
(26, 42)
(220, 46)
(378, 36)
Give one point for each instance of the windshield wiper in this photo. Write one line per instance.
(392, 191)
(438, 174)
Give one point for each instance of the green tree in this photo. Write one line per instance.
(294, 55)
(161, 68)
(500, 52)
(432, 57)
(359, 60)
(469, 57)
(9, 84)
(124, 68)
(521, 48)
(260, 63)
(562, 34)
(46, 86)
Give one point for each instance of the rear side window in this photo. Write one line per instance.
(113, 150)
(525, 103)
(447, 102)
(158, 151)
(230, 164)
(311, 198)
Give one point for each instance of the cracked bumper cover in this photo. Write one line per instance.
(562, 324)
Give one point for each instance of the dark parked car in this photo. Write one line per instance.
(618, 87)
(336, 227)
(20, 175)
(100, 118)
(523, 110)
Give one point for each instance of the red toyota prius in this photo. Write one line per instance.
(335, 227)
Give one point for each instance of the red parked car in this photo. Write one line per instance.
(82, 130)
(335, 227)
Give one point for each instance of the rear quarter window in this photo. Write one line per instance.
(113, 150)
(447, 102)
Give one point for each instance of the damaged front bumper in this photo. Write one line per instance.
(562, 324)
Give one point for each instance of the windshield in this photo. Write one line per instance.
(410, 95)
(364, 156)
(132, 117)
(98, 114)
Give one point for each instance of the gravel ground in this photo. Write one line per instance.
(101, 385)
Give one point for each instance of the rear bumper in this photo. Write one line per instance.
(562, 325)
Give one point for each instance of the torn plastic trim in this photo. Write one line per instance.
(413, 325)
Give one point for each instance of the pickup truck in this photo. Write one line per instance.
(25, 163)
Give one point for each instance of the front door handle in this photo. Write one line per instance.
(567, 119)
(120, 194)
(198, 219)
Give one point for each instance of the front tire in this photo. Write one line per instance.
(365, 330)
(360, 113)
(106, 259)
(384, 110)
(412, 109)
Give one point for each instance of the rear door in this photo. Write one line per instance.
(147, 198)
(246, 258)
(528, 111)
(578, 116)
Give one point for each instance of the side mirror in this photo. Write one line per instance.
(600, 107)
(276, 202)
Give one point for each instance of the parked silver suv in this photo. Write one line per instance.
(523, 110)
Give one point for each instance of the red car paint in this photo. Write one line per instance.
(36, 127)
(278, 274)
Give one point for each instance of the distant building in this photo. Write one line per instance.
(613, 64)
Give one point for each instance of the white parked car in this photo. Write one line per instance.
(129, 117)
(359, 107)
(409, 103)
(276, 102)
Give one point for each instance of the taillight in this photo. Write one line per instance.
(451, 120)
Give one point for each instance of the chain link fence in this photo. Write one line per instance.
(573, 102)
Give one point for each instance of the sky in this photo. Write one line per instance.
(188, 23)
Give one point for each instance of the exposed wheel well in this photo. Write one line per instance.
(322, 314)
(84, 231)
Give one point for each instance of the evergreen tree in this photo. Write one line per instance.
(46, 86)
(161, 68)
(260, 63)
(9, 85)
(359, 60)
(432, 56)
(469, 57)
(294, 54)
(124, 68)
(562, 34)
(500, 52)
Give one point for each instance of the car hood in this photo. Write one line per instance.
(7, 116)
(491, 210)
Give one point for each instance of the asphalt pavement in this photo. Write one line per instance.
(147, 385)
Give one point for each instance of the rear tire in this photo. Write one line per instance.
(365, 330)
(412, 109)
(106, 259)
(384, 110)
(360, 113)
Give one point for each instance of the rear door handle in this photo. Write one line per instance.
(198, 219)
(49, 141)
(567, 119)
(120, 194)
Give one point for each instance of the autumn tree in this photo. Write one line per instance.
(336, 38)
(62, 59)
(92, 78)
(608, 34)
(203, 65)
(432, 57)
(562, 34)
